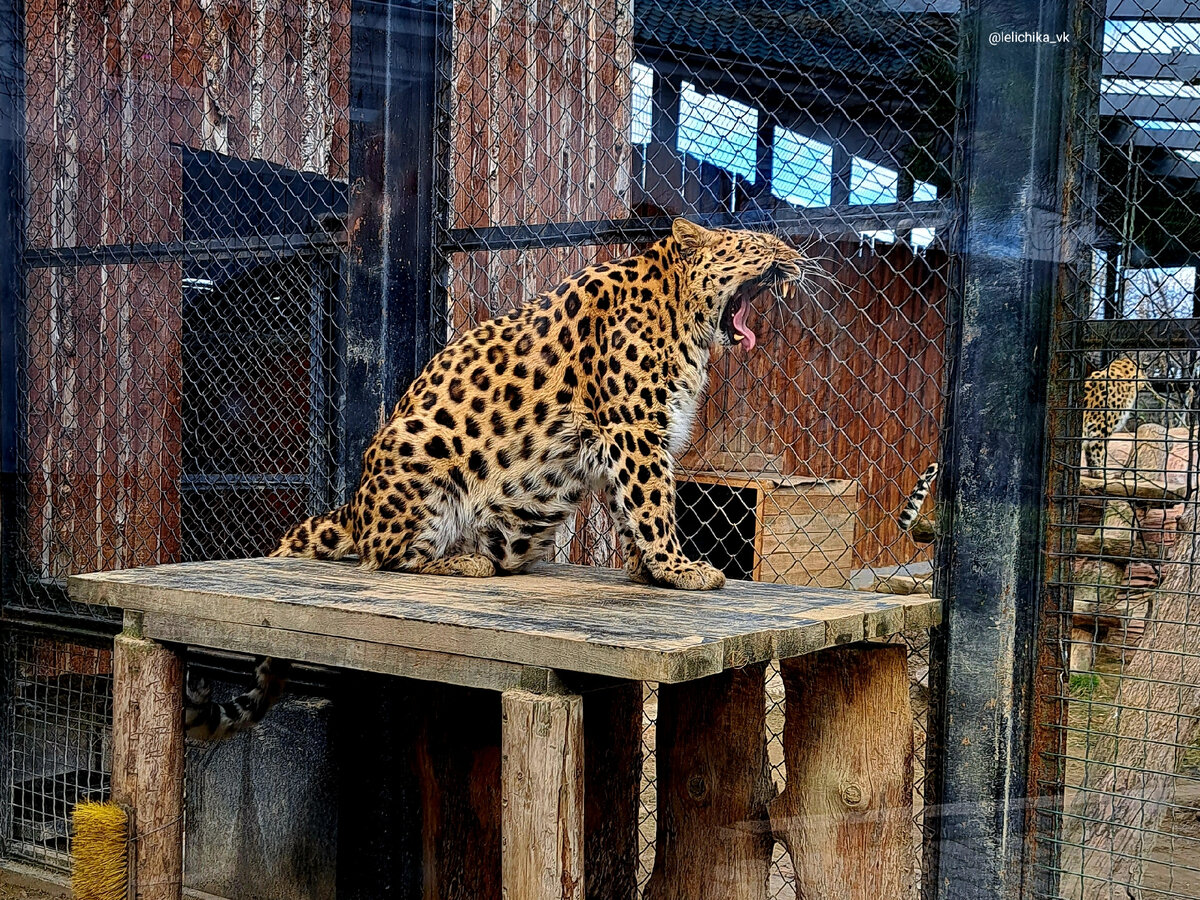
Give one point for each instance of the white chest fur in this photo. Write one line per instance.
(682, 406)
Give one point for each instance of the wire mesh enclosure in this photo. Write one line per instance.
(1118, 712)
(185, 203)
(58, 711)
(575, 128)
(232, 231)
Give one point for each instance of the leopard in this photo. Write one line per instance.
(1109, 397)
(205, 719)
(590, 388)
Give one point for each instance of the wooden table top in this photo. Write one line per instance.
(493, 632)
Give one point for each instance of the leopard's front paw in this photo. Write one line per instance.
(636, 569)
(690, 576)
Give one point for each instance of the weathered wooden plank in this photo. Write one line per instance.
(547, 619)
(542, 819)
(713, 837)
(147, 773)
(363, 656)
(846, 812)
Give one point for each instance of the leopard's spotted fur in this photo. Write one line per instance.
(592, 386)
(1109, 396)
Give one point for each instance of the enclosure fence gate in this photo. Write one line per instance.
(1117, 707)
(244, 225)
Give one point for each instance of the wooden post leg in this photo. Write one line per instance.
(542, 796)
(612, 753)
(713, 839)
(148, 761)
(845, 815)
(459, 764)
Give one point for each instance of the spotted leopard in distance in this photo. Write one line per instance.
(592, 386)
(1109, 396)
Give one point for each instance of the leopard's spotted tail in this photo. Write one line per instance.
(327, 536)
(207, 720)
(912, 508)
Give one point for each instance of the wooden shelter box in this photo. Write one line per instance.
(788, 529)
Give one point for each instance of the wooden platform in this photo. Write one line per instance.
(535, 790)
(495, 632)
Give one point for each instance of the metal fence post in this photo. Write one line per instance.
(12, 117)
(994, 457)
(389, 315)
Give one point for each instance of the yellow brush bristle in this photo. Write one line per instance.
(100, 851)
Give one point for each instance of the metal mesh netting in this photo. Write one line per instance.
(576, 129)
(186, 189)
(781, 883)
(1121, 751)
(58, 711)
(190, 170)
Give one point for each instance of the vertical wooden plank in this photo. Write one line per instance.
(147, 772)
(713, 838)
(542, 796)
(459, 768)
(339, 88)
(845, 815)
(612, 766)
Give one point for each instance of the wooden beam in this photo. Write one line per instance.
(147, 763)
(714, 783)
(542, 820)
(459, 765)
(364, 656)
(547, 619)
(612, 729)
(845, 815)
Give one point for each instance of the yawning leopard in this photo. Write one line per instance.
(592, 386)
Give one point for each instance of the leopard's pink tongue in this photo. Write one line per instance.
(740, 326)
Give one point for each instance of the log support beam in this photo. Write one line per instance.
(846, 813)
(542, 805)
(147, 774)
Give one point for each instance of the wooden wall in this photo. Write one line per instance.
(540, 133)
(845, 384)
(113, 88)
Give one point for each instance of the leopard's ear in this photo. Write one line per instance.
(690, 236)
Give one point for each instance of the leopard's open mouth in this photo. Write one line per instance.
(733, 319)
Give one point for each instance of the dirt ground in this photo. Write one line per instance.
(22, 886)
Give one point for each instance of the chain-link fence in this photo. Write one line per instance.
(577, 129)
(180, 331)
(184, 210)
(211, 191)
(58, 710)
(1118, 713)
